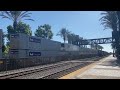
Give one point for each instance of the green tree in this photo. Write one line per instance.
(118, 38)
(70, 38)
(110, 20)
(99, 47)
(77, 38)
(6, 52)
(63, 33)
(73, 39)
(44, 31)
(24, 28)
(16, 16)
(85, 41)
(3, 43)
(21, 28)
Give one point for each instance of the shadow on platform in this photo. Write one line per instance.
(113, 63)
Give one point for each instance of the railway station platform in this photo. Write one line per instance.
(106, 68)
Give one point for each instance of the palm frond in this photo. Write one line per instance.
(29, 19)
(109, 20)
(8, 13)
(3, 16)
(23, 13)
(23, 16)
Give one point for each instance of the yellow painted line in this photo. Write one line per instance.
(77, 72)
(80, 71)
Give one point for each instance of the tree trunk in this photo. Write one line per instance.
(15, 25)
(64, 40)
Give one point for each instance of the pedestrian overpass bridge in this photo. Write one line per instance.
(97, 41)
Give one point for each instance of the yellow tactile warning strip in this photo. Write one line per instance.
(80, 71)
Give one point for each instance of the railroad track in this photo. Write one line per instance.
(61, 73)
(26, 72)
(48, 72)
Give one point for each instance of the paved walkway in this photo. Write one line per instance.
(106, 68)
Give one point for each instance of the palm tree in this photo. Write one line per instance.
(92, 46)
(16, 16)
(69, 37)
(118, 15)
(110, 20)
(117, 39)
(63, 33)
(76, 39)
(85, 41)
(99, 47)
(73, 38)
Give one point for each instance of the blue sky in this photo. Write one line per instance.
(83, 23)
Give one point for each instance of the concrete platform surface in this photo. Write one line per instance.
(106, 68)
